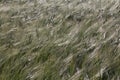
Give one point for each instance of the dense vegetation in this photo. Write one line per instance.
(59, 39)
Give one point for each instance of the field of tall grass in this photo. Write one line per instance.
(59, 39)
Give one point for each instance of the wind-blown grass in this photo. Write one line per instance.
(59, 40)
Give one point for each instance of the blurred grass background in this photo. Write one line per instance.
(59, 40)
